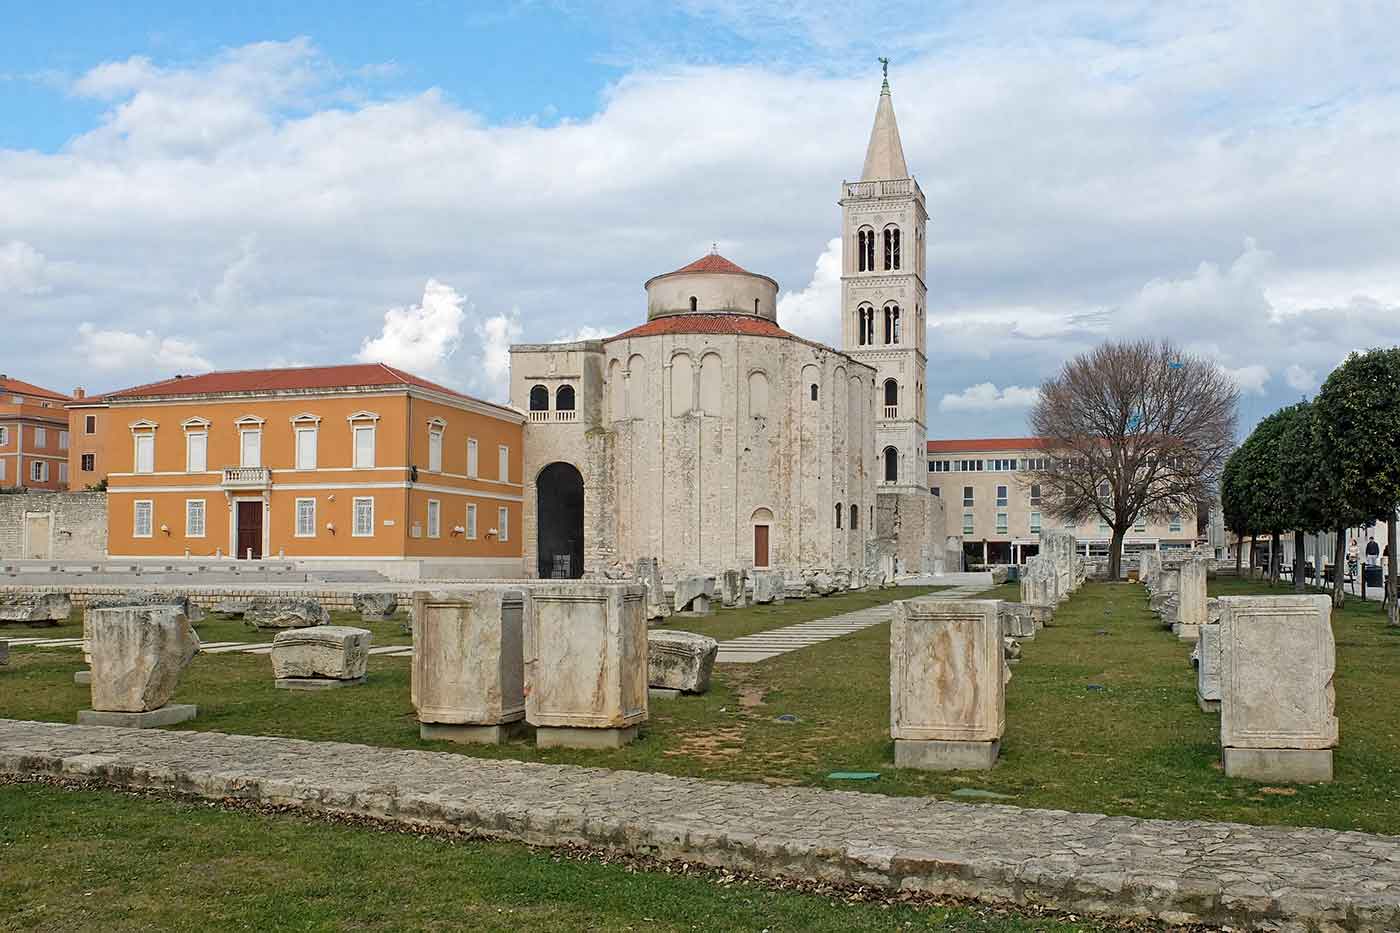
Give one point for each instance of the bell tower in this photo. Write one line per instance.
(883, 298)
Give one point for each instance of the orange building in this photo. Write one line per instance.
(356, 466)
(33, 436)
(87, 459)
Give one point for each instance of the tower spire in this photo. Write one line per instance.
(884, 157)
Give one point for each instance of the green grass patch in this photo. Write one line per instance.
(97, 860)
(734, 623)
(217, 627)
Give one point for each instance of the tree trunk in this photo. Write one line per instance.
(1392, 587)
(1253, 548)
(1115, 553)
(1339, 570)
(1275, 560)
(1300, 560)
(1239, 555)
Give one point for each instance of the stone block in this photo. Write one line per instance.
(1017, 620)
(944, 755)
(586, 657)
(233, 606)
(732, 589)
(692, 589)
(649, 575)
(1279, 765)
(138, 654)
(947, 673)
(317, 683)
(1168, 581)
(330, 652)
(180, 601)
(468, 656)
(1278, 659)
(1191, 598)
(680, 660)
(35, 608)
(82, 678)
(822, 583)
(583, 737)
(375, 607)
(1208, 668)
(466, 734)
(273, 613)
(767, 587)
(1038, 583)
(662, 693)
(167, 715)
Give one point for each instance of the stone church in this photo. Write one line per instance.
(711, 439)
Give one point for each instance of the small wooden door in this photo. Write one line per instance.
(760, 546)
(250, 519)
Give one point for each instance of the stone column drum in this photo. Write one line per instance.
(138, 653)
(468, 681)
(586, 664)
(948, 679)
(1191, 601)
(1277, 705)
(321, 657)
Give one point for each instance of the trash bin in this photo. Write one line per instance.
(1375, 576)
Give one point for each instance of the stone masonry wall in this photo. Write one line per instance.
(76, 525)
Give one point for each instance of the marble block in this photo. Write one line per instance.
(375, 607)
(1017, 620)
(649, 574)
(731, 592)
(947, 678)
(468, 656)
(680, 660)
(331, 652)
(35, 607)
(1208, 668)
(167, 715)
(767, 587)
(1191, 598)
(1278, 659)
(1149, 564)
(286, 613)
(1038, 584)
(586, 658)
(138, 653)
(1168, 581)
(694, 593)
(822, 583)
(180, 601)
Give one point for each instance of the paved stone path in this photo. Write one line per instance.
(760, 646)
(1245, 876)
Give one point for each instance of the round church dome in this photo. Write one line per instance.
(712, 285)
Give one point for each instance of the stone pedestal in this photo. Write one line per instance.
(1208, 669)
(1038, 588)
(586, 667)
(947, 683)
(336, 653)
(680, 660)
(767, 587)
(732, 589)
(469, 662)
(138, 654)
(693, 594)
(83, 678)
(649, 575)
(471, 735)
(167, 715)
(317, 683)
(1191, 599)
(1017, 620)
(1277, 663)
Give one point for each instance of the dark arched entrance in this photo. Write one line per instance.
(559, 518)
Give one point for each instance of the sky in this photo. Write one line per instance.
(424, 183)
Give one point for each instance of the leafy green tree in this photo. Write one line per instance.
(1234, 502)
(1298, 466)
(1358, 418)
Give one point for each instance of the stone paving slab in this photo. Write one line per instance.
(1245, 876)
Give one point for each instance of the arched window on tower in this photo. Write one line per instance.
(855, 516)
(891, 247)
(891, 323)
(539, 399)
(865, 326)
(865, 250)
(838, 516)
(891, 465)
(891, 393)
(694, 303)
(564, 398)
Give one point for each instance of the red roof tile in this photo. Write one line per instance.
(979, 444)
(702, 323)
(713, 262)
(20, 387)
(282, 380)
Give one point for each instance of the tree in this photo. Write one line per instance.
(1358, 418)
(1133, 429)
(1234, 502)
(1300, 484)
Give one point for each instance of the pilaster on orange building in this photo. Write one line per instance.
(361, 465)
(33, 436)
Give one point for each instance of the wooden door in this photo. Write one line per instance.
(760, 545)
(250, 518)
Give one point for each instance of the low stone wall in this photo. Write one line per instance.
(66, 525)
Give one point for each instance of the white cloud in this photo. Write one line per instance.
(586, 332)
(497, 333)
(1250, 379)
(118, 350)
(986, 396)
(1304, 380)
(815, 311)
(23, 269)
(419, 338)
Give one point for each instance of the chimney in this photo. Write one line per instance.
(79, 392)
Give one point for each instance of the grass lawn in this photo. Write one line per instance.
(1101, 716)
(97, 860)
(733, 623)
(217, 627)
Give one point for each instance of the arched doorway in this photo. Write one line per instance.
(559, 520)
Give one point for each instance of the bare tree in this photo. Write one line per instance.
(1133, 429)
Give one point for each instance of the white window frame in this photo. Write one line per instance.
(136, 518)
(969, 523)
(503, 463)
(1003, 523)
(39, 471)
(471, 521)
(1003, 496)
(62, 440)
(1175, 524)
(84, 458)
(434, 518)
(296, 518)
(503, 524)
(366, 463)
(63, 471)
(4, 435)
(969, 496)
(137, 439)
(435, 430)
(89, 424)
(189, 516)
(1035, 521)
(2, 467)
(204, 454)
(41, 437)
(315, 433)
(354, 517)
(243, 435)
(473, 464)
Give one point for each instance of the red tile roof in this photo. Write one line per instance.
(20, 387)
(713, 262)
(745, 325)
(977, 444)
(282, 380)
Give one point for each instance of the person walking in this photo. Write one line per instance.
(1373, 552)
